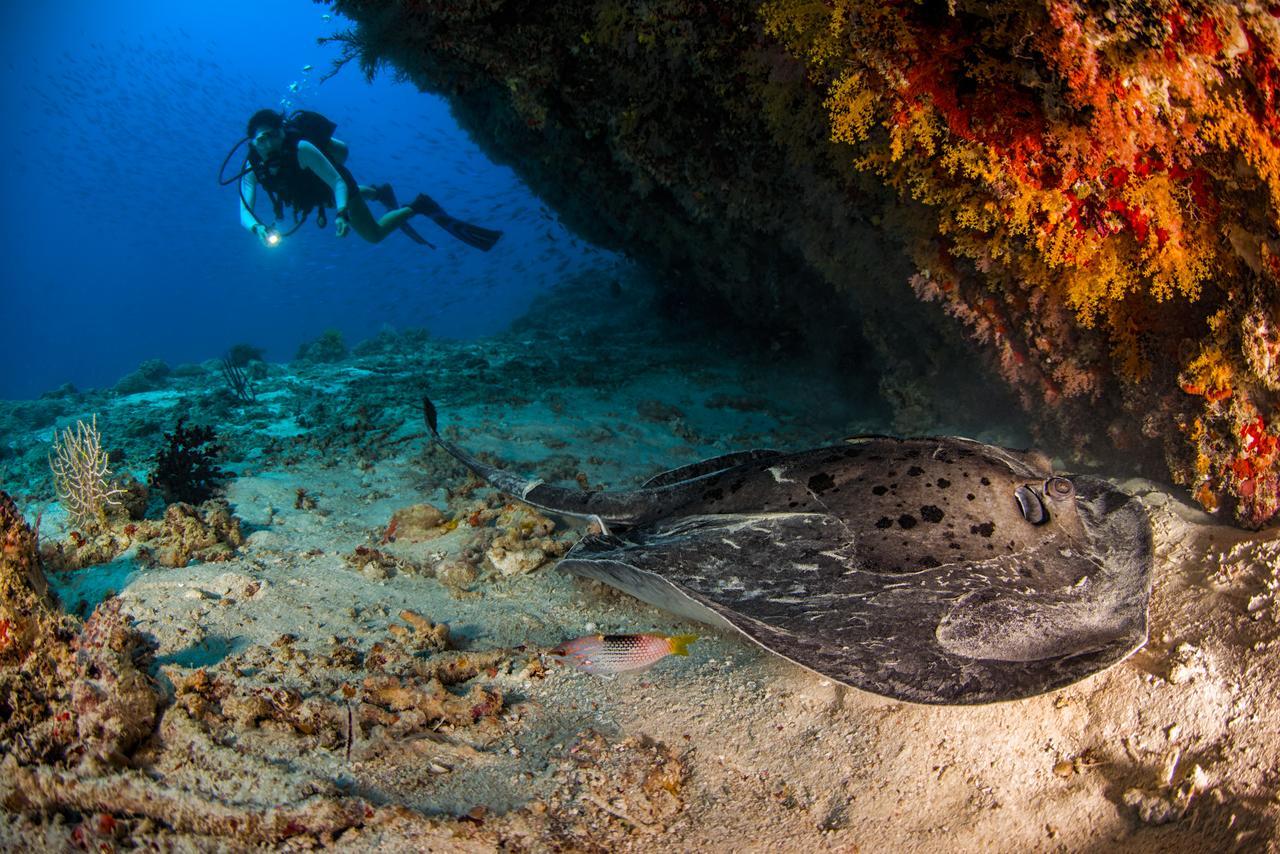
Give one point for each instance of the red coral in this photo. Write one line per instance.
(1200, 37)
(1264, 75)
(1256, 483)
(1256, 440)
(999, 114)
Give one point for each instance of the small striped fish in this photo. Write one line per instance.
(619, 653)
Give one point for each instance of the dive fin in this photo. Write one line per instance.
(414, 236)
(470, 234)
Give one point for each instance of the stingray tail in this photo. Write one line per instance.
(609, 507)
(497, 478)
(429, 415)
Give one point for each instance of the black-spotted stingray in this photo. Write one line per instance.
(936, 570)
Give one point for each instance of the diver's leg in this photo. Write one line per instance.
(363, 222)
(391, 220)
(384, 195)
(380, 193)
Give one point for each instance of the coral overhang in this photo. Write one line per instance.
(1091, 191)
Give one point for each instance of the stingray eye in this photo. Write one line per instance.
(1059, 488)
(1030, 505)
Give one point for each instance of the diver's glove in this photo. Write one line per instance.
(341, 223)
(261, 232)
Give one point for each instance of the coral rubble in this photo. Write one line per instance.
(209, 532)
(1089, 192)
(87, 733)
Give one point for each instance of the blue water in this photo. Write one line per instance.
(119, 245)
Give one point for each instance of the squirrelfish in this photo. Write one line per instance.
(618, 653)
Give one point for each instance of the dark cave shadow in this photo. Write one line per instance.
(1207, 825)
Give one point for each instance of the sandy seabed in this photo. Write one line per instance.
(337, 680)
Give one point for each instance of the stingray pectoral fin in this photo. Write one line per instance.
(1012, 626)
(767, 576)
(645, 586)
(710, 466)
(705, 558)
(694, 566)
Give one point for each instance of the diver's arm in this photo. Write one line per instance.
(310, 157)
(248, 193)
(338, 149)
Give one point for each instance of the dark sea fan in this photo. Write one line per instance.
(185, 468)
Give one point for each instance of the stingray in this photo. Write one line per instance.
(931, 570)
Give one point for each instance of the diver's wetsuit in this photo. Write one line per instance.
(315, 179)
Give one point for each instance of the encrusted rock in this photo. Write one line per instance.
(1186, 663)
(456, 573)
(24, 592)
(418, 523)
(206, 533)
(115, 703)
(526, 543)
(517, 561)
(1152, 808)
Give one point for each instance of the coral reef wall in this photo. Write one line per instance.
(1086, 193)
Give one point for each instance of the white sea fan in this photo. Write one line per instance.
(81, 475)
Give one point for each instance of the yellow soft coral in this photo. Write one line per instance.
(815, 29)
(1209, 374)
(852, 108)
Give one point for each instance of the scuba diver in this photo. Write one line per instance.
(300, 164)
